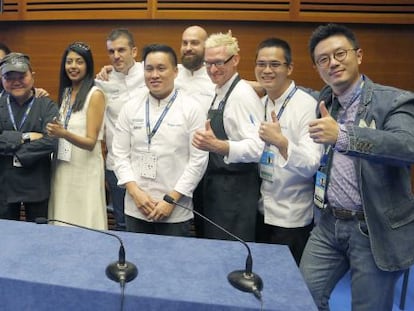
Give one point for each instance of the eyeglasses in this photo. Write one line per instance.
(80, 45)
(271, 64)
(339, 55)
(219, 63)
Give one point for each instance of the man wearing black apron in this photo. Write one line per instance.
(231, 182)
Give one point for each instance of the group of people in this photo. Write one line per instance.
(255, 165)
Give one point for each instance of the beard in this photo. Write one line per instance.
(192, 61)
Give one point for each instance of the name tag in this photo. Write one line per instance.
(149, 165)
(267, 161)
(64, 150)
(320, 189)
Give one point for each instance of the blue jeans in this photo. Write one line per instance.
(117, 198)
(336, 246)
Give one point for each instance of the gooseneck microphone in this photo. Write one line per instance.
(121, 271)
(245, 280)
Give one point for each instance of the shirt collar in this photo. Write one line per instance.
(161, 102)
(346, 99)
(223, 90)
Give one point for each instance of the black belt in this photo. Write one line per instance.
(345, 214)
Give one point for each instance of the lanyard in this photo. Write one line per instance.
(286, 101)
(26, 113)
(150, 134)
(334, 113)
(224, 100)
(66, 101)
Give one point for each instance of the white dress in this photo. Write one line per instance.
(78, 186)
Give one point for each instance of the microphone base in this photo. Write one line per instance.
(121, 273)
(246, 282)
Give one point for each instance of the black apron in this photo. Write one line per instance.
(231, 191)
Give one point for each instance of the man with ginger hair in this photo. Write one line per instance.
(231, 182)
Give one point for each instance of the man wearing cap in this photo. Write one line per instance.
(25, 149)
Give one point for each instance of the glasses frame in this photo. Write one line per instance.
(219, 64)
(274, 64)
(335, 56)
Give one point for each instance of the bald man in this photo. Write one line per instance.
(192, 74)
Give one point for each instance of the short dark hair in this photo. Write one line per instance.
(277, 43)
(325, 31)
(121, 32)
(5, 48)
(88, 82)
(152, 48)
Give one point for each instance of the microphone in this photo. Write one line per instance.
(245, 280)
(121, 271)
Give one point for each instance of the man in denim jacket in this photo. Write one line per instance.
(363, 185)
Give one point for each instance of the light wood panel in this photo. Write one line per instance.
(387, 48)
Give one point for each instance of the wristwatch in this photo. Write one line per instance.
(26, 137)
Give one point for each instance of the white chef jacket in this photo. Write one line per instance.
(119, 89)
(197, 84)
(180, 166)
(241, 117)
(288, 200)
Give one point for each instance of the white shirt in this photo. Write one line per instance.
(180, 166)
(197, 84)
(288, 200)
(119, 89)
(241, 117)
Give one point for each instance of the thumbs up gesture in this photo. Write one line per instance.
(206, 140)
(271, 133)
(324, 130)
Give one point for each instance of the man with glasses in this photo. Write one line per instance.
(290, 157)
(363, 185)
(231, 182)
(25, 148)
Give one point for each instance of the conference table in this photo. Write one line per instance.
(48, 267)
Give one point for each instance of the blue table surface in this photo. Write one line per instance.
(57, 262)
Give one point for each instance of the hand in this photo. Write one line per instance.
(324, 130)
(104, 73)
(271, 133)
(161, 210)
(260, 91)
(207, 141)
(41, 93)
(55, 129)
(142, 200)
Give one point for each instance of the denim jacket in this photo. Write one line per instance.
(382, 141)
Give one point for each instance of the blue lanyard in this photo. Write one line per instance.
(286, 101)
(353, 99)
(26, 113)
(150, 134)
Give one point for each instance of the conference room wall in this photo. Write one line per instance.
(387, 48)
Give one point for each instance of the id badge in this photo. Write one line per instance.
(320, 189)
(149, 165)
(16, 162)
(64, 150)
(266, 168)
